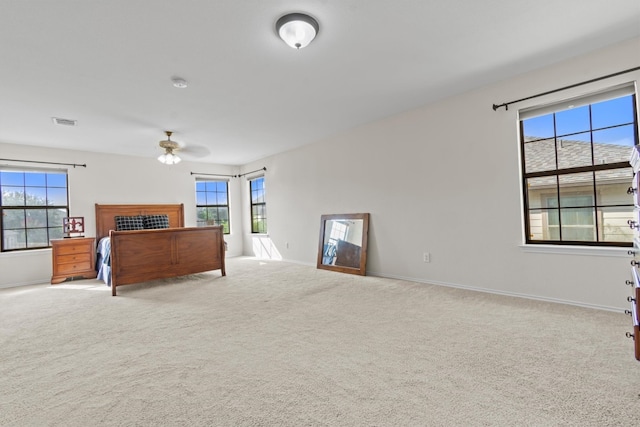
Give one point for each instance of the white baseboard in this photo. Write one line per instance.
(497, 292)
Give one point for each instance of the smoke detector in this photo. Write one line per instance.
(179, 82)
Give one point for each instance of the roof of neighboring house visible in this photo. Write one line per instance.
(540, 156)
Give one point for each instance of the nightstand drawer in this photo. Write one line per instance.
(73, 267)
(75, 248)
(66, 259)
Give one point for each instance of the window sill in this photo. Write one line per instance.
(577, 250)
(22, 253)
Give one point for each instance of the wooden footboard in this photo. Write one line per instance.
(142, 255)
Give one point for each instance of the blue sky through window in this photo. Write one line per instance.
(575, 123)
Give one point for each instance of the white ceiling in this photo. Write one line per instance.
(108, 64)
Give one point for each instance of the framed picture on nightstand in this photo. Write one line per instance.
(73, 225)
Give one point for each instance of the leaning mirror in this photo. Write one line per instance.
(343, 243)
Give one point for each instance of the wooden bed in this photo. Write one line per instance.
(141, 255)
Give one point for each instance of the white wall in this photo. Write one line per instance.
(442, 179)
(445, 179)
(114, 179)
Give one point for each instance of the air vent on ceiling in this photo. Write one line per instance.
(64, 122)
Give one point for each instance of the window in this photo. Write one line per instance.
(258, 206)
(212, 203)
(576, 172)
(578, 224)
(338, 232)
(33, 204)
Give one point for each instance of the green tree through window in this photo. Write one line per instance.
(212, 204)
(33, 204)
(258, 205)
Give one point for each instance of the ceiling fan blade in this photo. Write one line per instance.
(195, 151)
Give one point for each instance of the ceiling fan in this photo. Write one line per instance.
(169, 157)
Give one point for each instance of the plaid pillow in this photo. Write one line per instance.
(124, 223)
(155, 221)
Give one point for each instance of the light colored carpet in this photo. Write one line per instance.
(279, 344)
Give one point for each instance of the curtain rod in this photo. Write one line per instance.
(506, 104)
(230, 176)
(213, 174)
(247, 173)
(46, 163)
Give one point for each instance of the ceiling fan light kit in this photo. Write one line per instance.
(297, 29)
(169, 158)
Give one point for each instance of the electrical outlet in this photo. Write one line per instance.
(426, 257)
(286, 245)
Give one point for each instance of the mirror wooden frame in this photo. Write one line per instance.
(361, 270)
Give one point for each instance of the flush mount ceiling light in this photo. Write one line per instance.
(297, 29)
(168, 158)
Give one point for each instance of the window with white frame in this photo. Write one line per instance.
(212, 203)
(258, 205)
(33, 204)
(575, 169)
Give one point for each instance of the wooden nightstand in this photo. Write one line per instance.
(73, 258)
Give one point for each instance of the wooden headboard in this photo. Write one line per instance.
(105, 215)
